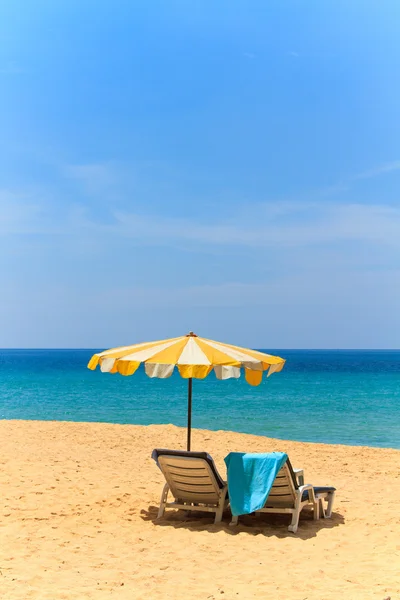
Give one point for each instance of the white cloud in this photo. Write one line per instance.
(277, 290)
(34, 212)
(265, 225)
(347, 184)
(301, 309)
(295, 225)
(379, 170)
(20, 214)
(93, 177)
(277, 271)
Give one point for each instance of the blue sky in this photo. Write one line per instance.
(230, 167)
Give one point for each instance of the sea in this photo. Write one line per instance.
(330, 396)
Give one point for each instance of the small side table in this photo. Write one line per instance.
(299, 476)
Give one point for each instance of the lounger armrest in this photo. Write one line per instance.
(299, 474)
(309, 488)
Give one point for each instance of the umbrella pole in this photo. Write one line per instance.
(189, 424)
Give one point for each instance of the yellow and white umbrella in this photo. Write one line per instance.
(194, 357)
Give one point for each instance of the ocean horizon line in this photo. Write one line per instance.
(273, 348)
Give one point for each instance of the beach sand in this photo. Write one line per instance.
(78, 509)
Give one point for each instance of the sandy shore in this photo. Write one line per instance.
(78, 508)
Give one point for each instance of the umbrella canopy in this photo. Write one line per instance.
(193, 356)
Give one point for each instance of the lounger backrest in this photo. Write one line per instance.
(157, 452)
(190, 478)
(283, 491)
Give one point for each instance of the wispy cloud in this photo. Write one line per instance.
(93, 177)
(379, 170)
(239, 294)
(33, 212)
(288, 267)
(346, 184)
(19, 212)
(264, 225)
(300, 225)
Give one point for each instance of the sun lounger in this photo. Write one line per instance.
(193, 481)
(287, 496)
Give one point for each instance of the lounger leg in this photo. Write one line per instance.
(220, 509)
(331, 498)
(218, 514)
(234, 521)
(295, 515)
(295, 521)
(163, 501)
(321, 507)
(316, 511)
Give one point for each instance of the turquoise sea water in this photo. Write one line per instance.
(345, 397)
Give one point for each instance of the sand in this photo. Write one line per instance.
(78, 509)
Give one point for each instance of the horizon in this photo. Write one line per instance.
(234, 168)
(250, 348)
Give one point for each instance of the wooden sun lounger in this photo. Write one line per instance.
(286, 496)
(193, 481)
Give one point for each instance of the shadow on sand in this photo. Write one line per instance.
(270, 525)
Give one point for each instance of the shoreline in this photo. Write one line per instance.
(80, 500)
(201, 430)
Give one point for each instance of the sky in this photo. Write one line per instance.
(230, 167)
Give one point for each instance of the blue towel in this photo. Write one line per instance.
(250, 478)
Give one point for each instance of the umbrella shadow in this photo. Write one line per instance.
(269, 525)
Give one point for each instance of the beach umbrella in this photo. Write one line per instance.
(194, 357)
